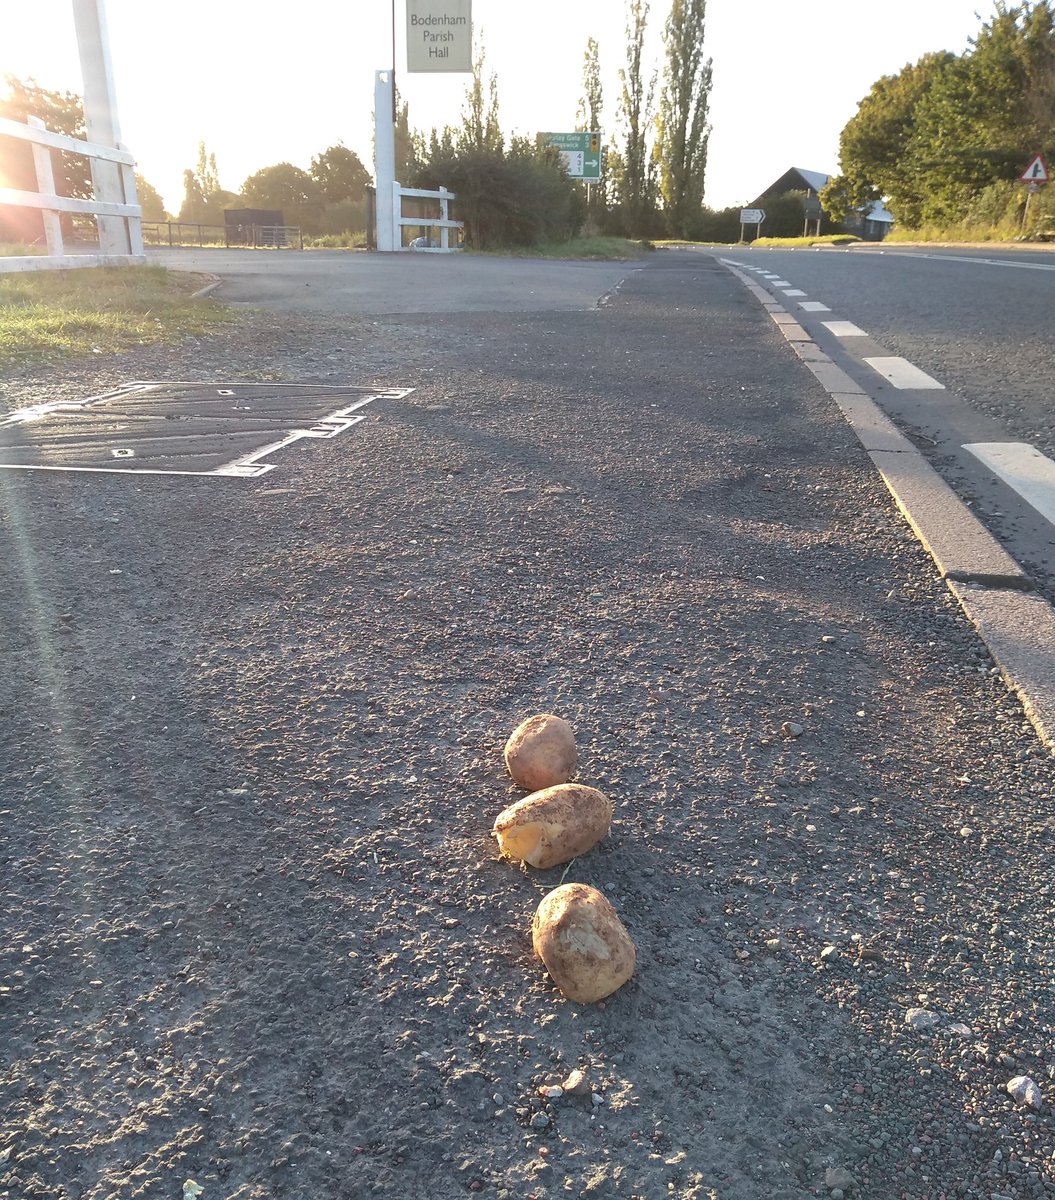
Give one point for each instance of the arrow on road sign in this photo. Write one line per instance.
(1037, 171)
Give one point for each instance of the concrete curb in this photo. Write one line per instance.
(962, 548)
(992, 588)
(1019, 630)
(208, 289)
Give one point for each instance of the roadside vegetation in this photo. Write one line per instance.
(46, 315)
(596, 247)
(797, 243)
(944, 141)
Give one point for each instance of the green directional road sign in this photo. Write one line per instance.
(581, 153)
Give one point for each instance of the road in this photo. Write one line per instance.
(254, 929)
(325, 282)
(977, 322)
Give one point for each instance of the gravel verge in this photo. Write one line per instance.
(254, 931)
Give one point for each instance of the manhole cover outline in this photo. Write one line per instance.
(246, 466)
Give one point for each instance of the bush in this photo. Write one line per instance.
(517, 197)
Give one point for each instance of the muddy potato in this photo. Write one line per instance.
(541, 752)
(582, 943)
(554, 825)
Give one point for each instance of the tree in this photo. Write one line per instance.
(683, 131)
(974, 126)
(204, 200)
(339, 174)
(286, 188)
(409, 145)
(874, 143)
(636, 181)
(480, 128)
(949, 128)
(150, 200)
(62, 112)
(591, 108)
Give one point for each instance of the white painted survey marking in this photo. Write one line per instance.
(904, 375)
(813, 306)
(844, 329)
(1022, 467)
(794, 292)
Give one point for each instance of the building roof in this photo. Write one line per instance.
(879, 212)
(795, 180)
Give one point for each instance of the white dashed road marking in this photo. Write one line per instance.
(1022, 467)
(794, 292)
(843, 329)
(813, 306)
(781, 283)
(902, 374)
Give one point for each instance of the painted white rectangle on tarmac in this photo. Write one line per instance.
(904, 375)
(781, 283)
(813, 306)
(794, 292)
(843, 329)
(1022, 467)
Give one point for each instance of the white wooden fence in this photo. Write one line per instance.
(443, 223)
(126, 209)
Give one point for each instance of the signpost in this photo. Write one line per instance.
(581, 153)
(1034, 177)
(751, 216)
(439, 35)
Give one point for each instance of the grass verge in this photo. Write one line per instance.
(16, 250)
(607, 248)
(46, 315)
(794, 243)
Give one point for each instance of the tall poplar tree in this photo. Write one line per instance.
(681, 142)
(636, 182)
(591, 109)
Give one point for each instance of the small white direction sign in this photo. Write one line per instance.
(752, 216)
(1037, 171)
(439, 35)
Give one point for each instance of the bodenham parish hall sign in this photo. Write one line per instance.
(439, 35)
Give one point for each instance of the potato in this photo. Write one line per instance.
(541, 752)
(554, 825)
(582, 943)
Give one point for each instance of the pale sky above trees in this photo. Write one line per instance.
(788, 75)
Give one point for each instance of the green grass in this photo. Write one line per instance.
(354, 240)
(958, 234)
(793, 243)
(47, 315)
(15, 250)
(606, 248)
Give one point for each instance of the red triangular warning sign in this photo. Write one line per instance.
(1037, 171)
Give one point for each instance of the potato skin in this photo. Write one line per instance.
(554, 825)
(540, 752)
(582, 943)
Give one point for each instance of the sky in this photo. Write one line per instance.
(263, 84)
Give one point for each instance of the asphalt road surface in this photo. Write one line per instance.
(326, 282)
(255, 935)
(980, 325)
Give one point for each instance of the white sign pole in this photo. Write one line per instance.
(388, 233)
(100, 120)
